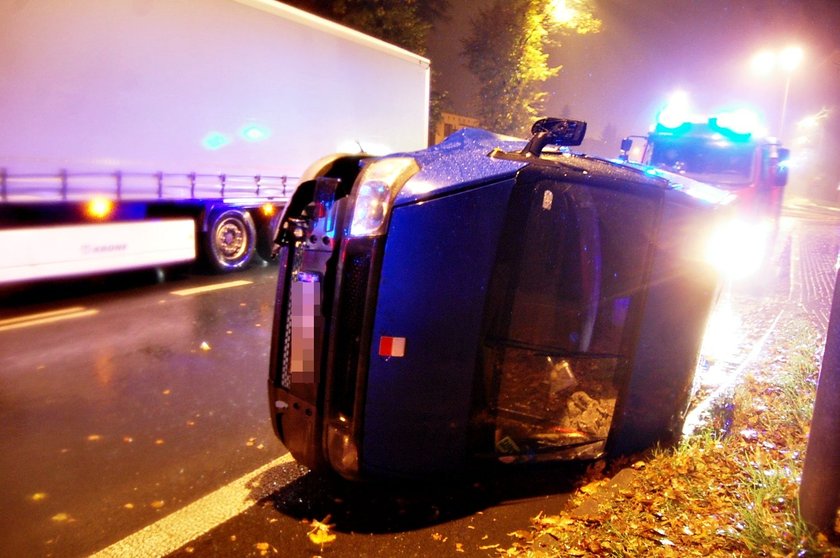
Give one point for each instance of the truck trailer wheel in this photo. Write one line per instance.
(230, 240)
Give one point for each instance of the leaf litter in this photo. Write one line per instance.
(716, 493)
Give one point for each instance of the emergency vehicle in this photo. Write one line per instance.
(487, 302)
(732, 152)
(726, 151)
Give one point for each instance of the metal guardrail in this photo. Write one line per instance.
(66, 186)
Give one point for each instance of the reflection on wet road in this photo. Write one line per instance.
(800, 277)
(117, 409)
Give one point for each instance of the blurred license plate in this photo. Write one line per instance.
(306, 309)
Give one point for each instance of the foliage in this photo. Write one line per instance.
(405, 23)
(506, 51)
(717, 493)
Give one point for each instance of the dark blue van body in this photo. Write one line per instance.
(475, 303)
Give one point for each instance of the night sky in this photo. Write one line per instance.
(648, 48)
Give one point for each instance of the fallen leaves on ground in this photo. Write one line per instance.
(729, 493)
(321, 533)
(263, 548)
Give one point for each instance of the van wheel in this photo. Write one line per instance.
(230, 240)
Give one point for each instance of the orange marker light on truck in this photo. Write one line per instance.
(99, 208)
(268, 209)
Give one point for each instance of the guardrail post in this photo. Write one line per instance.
(64, 185)
(819, 493)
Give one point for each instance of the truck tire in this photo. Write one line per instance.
(230, 240)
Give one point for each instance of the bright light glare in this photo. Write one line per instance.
(763, 62)
(790, 58)
(720, 341)
(255, 133)
(268, 209)
(740, 121)
(676, 111)
(560, 11)
(214, 140)
(99, 208)
(737, 249)
(786, 60)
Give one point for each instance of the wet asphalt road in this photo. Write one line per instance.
(123, 406)
(128, 419)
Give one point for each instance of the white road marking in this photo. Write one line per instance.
(46, 317)
(190, 522)
(215, 287)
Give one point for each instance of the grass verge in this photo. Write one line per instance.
(717, 493)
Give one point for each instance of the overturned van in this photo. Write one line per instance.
(487, 300)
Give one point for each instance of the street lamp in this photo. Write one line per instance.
(786, 61)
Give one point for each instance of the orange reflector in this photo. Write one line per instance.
(391, 346)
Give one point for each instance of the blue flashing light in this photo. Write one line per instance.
(214, 140)
(673, 128)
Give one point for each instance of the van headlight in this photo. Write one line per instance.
(375, 190)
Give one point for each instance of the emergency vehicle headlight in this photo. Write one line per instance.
(375, 190)
(738, 248)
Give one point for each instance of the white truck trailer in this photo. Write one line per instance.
(144, 134)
